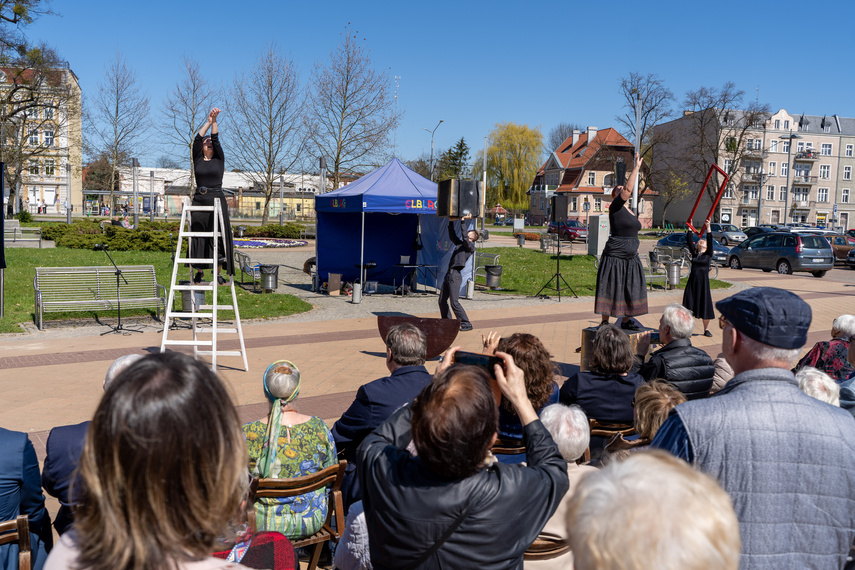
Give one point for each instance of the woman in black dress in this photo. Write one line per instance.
(209, 166)
(697, 296)
(621, 288)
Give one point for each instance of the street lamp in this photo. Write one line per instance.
(281, 199)
(789, 138)
(135, 165)
(151, 196)
(431, 145)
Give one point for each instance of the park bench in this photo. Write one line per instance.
(13, 232)
(93, 288)
(246, 266)
(309, 232)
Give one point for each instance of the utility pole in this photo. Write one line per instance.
(431, 145)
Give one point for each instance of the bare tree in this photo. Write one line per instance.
(118, 120)
(15, 15)
(352, 113)
(184, 111)
(266, 107)
(558, 134)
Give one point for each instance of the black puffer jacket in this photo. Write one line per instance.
(688, 368)
(408, 508)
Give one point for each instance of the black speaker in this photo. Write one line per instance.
(559, 204)
(457, 197)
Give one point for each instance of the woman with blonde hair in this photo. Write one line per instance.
(161, 473)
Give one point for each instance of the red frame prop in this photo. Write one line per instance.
(713, 168)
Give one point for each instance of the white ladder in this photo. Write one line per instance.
(204, 310)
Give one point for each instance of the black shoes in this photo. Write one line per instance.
(707, 333)
(630, 325)
(221, 280)
(466, 326)
(198, 277)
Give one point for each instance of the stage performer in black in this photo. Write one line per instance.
(621, 288)
(697, 297)
(463, 250)
(209, 166)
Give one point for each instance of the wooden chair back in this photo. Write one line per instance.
(601, 429)
(545, 547)
(508, 447)
(18, 530)
(331, 477)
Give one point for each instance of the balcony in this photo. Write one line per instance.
(805, 179)
(752, 152)
(752, 177)
(807, 155)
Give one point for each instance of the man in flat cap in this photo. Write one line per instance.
(787, 460)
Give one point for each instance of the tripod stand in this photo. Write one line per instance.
(558, 278)
(118, 328)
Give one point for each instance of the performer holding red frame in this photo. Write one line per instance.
(621, 288)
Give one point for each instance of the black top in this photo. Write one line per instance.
(604, 397)
(209, 173)
(622, 221)
(700, 259)
(464, 249)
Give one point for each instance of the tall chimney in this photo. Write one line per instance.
(575, 136)
(592, 134)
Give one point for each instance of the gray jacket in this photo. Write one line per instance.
(788, 463)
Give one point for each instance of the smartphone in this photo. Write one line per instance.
(654, 338)
(485, 361)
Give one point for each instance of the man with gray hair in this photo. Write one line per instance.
(689, 369)
(787, 460)
(406, 348)
(62, 452)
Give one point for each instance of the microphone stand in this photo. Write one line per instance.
(118, 328)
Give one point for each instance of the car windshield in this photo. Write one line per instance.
(575, 224)
(729, 228)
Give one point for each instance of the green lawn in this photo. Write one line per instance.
(525, 271)
(20, 271)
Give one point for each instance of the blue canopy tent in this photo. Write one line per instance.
(374, 220)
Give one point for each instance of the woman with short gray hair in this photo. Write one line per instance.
(830, 355)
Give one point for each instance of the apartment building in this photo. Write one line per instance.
(583, 169)
(788, 168)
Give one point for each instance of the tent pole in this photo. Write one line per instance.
(362, 253)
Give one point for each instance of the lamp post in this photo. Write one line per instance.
(135, 164)
(788, 138)
(151, 196)
(281, 197)
(68, 193)
(431, 145)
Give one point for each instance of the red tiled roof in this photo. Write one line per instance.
(567, 151)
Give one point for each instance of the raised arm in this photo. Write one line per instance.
(626, 194)
(709, 238)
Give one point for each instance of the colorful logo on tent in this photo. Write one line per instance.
(338, 203)
(420, 205)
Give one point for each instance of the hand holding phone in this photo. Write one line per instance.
(484, 361)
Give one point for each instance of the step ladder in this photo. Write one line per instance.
(205, 338)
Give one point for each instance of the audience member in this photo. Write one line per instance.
(688, 368)
(672, 517)
(847, 387)
(161, 473)
(819, 385)
(406, 348)
(830, 355)
(568, 426)
(288, 444)
(652, 404)
(21, 494)
(605, 392)
(63, 449)
(723, 373)
(786, 459)
(449, 506)
(352, 551)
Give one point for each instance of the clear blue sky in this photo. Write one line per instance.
(474, 63)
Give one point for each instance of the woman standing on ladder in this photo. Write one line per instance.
(621, 288)
(697, 296)
(209, 166)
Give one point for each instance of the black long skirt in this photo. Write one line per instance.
(697, 297)
(203, 247)
(621, 288)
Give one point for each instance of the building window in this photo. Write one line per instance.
(826, 149)
(822, 195)
(770, 192)
(783, 194)
(773, 146)
(777, 123)
(785, 146)
(844, 195)
(727, 163)
(50, 169)
(48, 138)
(728, 192)
(258, 205)
(574, 203)
(598, 204)
(785, 168)
(592, 178)
(34, 167)
(801, 194)
(849, 149)
(826, 128)
(33, 113)
(773, 169)
(49, 113)
(786, 125)
(847, 173)
(825, 171)
(34, 137)
(800, 147)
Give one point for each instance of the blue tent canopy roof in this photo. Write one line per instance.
(392, 188)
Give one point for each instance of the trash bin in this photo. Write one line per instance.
(188, 296)
(493, 276)
(239, 231)
(520, 240)
(672, 269)
(356, 295)
(269, 277)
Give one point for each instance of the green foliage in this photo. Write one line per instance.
(24, 217)
(513, 158)
(285, 231)
(453, 163)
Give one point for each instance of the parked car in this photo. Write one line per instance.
(509, 221)
(784, 252)
(841, 245)
(753, 231)
(678, 240)
(570, 230)
(850, 259)
(727, 234)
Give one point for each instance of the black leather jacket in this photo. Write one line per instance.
(408, 508)
(463, 247)
(688, 368)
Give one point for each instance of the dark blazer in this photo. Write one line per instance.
(64, 446)
(604, 397)
(463, 247)
(21, 493)
(374, 403)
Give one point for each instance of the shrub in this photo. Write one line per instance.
(529, 236)
(24, 217)
(286, 231)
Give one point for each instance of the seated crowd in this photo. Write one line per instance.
(644, 460)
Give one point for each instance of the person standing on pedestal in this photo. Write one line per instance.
(697, 297)
(463, 250)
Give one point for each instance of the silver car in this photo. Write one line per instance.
(726, 234)
(784, 252)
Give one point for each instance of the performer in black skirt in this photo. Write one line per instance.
(621, 288)
(209, 166)
(697, 296)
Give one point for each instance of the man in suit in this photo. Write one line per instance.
(63, 449)
(406, 348)
(450, 292)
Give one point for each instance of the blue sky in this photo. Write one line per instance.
(475, 64)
